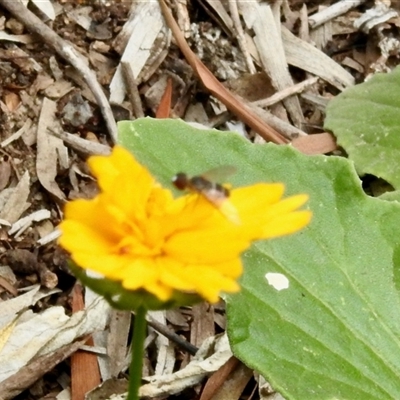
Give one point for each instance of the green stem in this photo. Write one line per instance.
(137, 345)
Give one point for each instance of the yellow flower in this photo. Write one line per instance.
(136, 233)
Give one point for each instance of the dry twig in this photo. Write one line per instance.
(283, 94)
(132, 89)
(333, 11)
(171, 335)
(82, 145)
(240, 36)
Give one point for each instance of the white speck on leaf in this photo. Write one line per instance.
(277, 281)
(116, 297)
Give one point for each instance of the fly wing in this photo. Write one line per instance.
(219, 174)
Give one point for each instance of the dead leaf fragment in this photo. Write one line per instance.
(47, 332)
(17, 203)
(58, 89)
(319, 143)
(46, 7)
(26, 39)
(24, 223)
(164, 108)
(117, 340)
(228, 382)
(193, 373)
(5, 173)
(137, 40)
(20, 132)
(30, 373)
(47, 148)
(12, 101)
(6, 331)
(217, 379)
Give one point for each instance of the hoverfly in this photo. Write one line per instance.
(205, 185)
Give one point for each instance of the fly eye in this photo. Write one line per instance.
(180, 181)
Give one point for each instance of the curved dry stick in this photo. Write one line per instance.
(216, 88)
(66, 51)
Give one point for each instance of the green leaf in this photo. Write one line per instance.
(391, 196)
(335, 332)
(366, 121)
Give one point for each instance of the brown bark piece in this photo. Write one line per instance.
(217, 379)
(319, 143)
(233, 387)
(29, 374)
(203, 323)
(85, 374)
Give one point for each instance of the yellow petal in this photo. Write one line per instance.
(249, 199)
(211, 283)
(289, 204)
(94, 213)
(138, 273)
(206, 246)
(78, 237)
(286, 224)
(109, 265)
(163, 292)
(121, 161)
(127, 184)
(174, 273)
